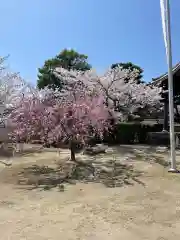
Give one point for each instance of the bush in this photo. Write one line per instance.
(124, 133)
(129, 133)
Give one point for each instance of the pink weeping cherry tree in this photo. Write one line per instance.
(53, 118)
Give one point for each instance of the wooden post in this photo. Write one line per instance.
(164, 100)
(165, 123)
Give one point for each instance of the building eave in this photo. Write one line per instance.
(158, 80)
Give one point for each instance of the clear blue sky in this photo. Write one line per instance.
(108, 31)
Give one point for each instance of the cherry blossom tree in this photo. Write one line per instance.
(84, 107)
(74, 117)
(127, 99)
(12, 86)
(12, 91)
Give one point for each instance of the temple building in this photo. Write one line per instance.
(162, 81)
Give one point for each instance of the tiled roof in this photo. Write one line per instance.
(165, 76)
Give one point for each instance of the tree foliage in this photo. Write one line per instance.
(53, 117)
(127, 99)
(12, 86)
(67, 59)
(130, 66)
(84, 108)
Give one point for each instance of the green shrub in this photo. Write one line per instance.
(129, 133)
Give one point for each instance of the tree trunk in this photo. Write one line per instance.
(72, 149)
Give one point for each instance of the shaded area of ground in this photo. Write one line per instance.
(110, 173)
(109, 168)
(90, 211)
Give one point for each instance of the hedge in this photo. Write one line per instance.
(129, 133)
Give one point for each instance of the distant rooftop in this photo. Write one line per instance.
(158, 80)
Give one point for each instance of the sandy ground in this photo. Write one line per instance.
(90, 211)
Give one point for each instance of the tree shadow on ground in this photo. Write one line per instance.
(152, 158)
(9, 151)
(111, 174)
(147, 154)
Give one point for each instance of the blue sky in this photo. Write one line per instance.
(108, 31)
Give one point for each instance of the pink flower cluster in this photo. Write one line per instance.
(77, 116)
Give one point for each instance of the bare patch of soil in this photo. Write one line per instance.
(88, 210)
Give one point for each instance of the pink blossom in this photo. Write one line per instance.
(76, 117)
(126, 99)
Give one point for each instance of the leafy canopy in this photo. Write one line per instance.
(67, 59)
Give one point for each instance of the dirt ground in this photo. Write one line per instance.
(148, 209)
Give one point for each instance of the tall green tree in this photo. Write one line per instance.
(68, 59)
(131, 66)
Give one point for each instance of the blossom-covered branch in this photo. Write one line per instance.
(125, 98)
(12, 86)
(75, 117)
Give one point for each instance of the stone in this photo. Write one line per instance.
(106, 169)
(109, 150)
(127, 158)
(139, 152)
(161, 149)
(99, 148)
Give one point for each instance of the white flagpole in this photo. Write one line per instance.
(170, 87)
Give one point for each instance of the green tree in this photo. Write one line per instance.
(68, 59)
(131, 66)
